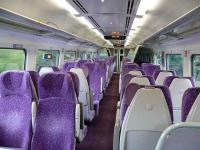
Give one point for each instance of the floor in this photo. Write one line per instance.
(100, 130)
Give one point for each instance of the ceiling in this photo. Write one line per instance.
(108, 16)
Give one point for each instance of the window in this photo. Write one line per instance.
(42, 61)
(175, 62)
(69, 55)
(103, 53)
(12, 59)
(196, 68)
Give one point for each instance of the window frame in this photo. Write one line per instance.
(18, 49)
(48, 50)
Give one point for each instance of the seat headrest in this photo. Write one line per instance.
(189, 98)
(15, 83)
(43, 70)
(132, 88)
(56, 85)
(68, 65)
(157, 72)
(168, 80)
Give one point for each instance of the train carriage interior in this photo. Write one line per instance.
(99, 74)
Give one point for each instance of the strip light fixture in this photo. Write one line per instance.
(144, 7)
(63, 4)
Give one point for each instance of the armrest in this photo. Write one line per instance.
(117, 129)
(90, 97)
(77, 120)
(118, 104)
(34, 111)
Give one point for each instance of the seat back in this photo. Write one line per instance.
(136, 72)
(103, 67)
(83, 86)
(177, 87)
(68, 65)
(189, 98)
(150, 68)
(35, 77)
(146, 117)
(55, 120)
(44, 70)
(161, 75)
(56, 85)
(94, 80)
(81, 62)
(194, 112)
(143, 80)
(15, 109)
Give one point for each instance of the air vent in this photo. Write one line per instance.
(94, 21)
(127, 23)
(80, 6)
(130, 6)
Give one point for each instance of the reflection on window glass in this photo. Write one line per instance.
(41, 61)
(196, 68)
(175, 62)
(12, 59)
(69, 55)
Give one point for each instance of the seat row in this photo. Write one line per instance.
(47, 109)
(145, 110)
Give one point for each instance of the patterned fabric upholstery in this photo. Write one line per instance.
(103, 66)
(189, 98)
(81, 62)
(68, 65)
(15, 109)
(150, 68)
(35, 77)
(55, 119)
(62, 87)
(55, 125)
(75, 80)
(94, 80)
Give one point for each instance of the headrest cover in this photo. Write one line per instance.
(157, 72)
(15, 83)
(168, 80)
(68, 65)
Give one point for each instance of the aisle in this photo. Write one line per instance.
(100, 131)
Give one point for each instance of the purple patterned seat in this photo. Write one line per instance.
(34, 76)
(131, 90)
(81, 62)
(103, 67)
(75, 80)
(128, 77)
(15, 109)
(189, 98)
(68, 65)
(160, 75)
(146, 111)
(55, 120)
(94, 81)
(177, 87)
(150, 68)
